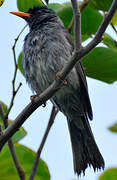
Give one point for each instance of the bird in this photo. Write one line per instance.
(48, 47)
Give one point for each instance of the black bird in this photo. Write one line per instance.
(48, 47)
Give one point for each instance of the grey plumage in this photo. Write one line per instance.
(47, 49)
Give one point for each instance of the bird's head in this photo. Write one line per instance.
(36, 16)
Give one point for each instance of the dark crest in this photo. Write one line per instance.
(39, 9)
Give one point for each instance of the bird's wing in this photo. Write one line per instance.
(83, 82)
(84, 89)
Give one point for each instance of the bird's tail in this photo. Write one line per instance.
(85, 150)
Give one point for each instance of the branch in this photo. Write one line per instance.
(107, 19)
(4, 117)
(77, 24)
(14, 92)
(113, 27)
(48, 93)
(12, 99)
(83, 5)
(18, 166)
(50, 123)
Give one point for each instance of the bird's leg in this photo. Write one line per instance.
(58, 76)
(35, 96)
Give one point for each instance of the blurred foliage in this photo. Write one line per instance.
(110, 42)
(101, 64)
(24, 5)
(109, 174)
(114, 20)
(20, 63)
(113, 128)
(101, 5)
(1, 2)
(20, 133)
(26, 157)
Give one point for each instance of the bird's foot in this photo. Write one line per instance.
(35, 96)
(58, 76)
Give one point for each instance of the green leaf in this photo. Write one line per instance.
(4, 106)
(90, 21)
(26, 157)
(55, 6)
(24, 5)
(114, 19)
(88, 15)
(103, 5)
(1, 2)
(113, 128)
(20, 66)
(20, 133)
(66, 14)
(110, 42)
(101, 64)
(109, 174)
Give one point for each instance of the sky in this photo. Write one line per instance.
(57, 150)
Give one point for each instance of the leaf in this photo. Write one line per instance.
(20, 133)
(4, 106)
(20, 66)
(109, 174)
(55, 6)
(88, 15)
(24, 5)
(103, 5)
(26, 157)
(66, 14)
(110, 42)
(1, 2)
(101, 64)
(114, 19)
(92, 16)
(113, 128)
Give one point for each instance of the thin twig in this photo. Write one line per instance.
(113, 27)
(70, 27)
(12, 99)
(47, 1)
(1, 132)
(107, 19)
(83, 5)
(77, 24)
(14, 92)
(50, 123)
(1, 115)
(48, 93)
(18, 166)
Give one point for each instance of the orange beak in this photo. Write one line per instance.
(21, 14)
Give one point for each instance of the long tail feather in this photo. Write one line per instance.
(85, 150)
